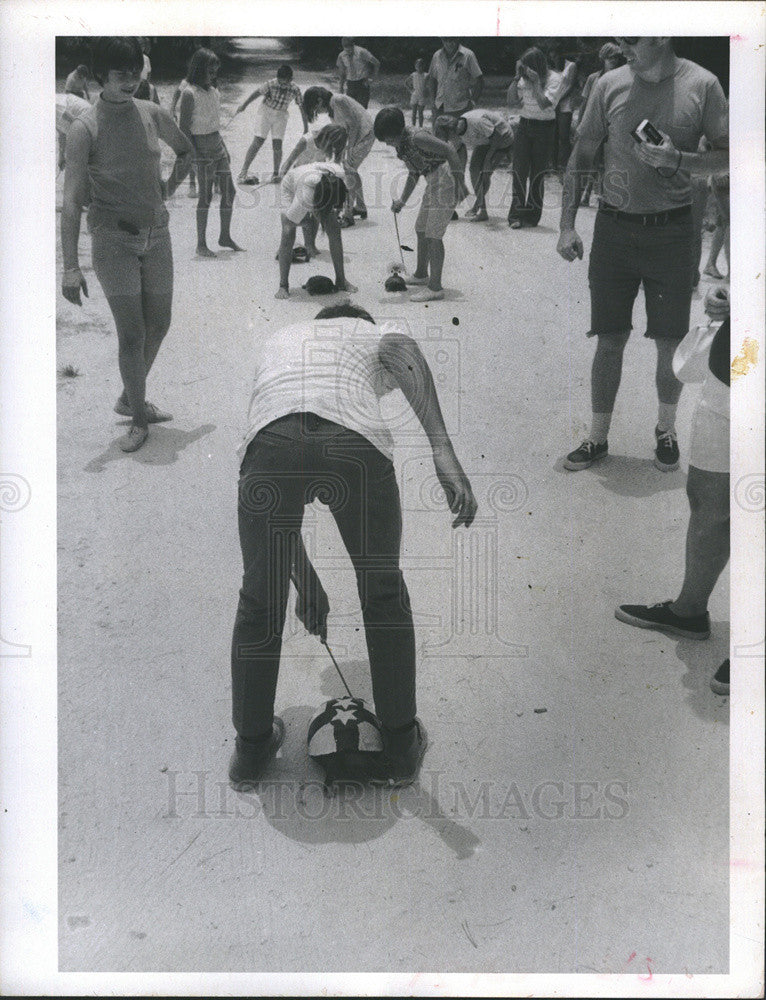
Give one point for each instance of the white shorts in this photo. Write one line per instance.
(709, 445)
(270, 120)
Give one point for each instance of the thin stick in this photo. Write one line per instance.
(324, 643)
(399, 239)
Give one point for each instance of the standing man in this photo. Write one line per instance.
(643, 232)
(455, 83)
(315, 431)
(356, 67)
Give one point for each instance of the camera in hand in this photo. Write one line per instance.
(646, 132)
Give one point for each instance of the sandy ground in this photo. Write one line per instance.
(572, 813)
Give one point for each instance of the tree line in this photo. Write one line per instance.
(170, 53)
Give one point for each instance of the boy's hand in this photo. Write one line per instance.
(455, 485)
(397, 205)
(312, 610)
(718, 303)
(71, 283)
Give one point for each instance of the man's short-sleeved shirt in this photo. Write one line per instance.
(357, 64)
(481, 125)
(453, 77)
(330, 367)
(686, 105)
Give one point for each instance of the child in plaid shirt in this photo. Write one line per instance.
(271, 117)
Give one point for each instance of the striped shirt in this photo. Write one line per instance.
(419, 162)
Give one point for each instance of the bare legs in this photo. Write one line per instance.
(226, 184)
(430, 261)
(606, 373)
(142, 322)
(707, 540)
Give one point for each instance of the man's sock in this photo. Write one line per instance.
(666, 416)
(599, 428)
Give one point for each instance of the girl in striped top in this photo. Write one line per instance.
(425, 156)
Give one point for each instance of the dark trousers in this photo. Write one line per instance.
(532, 150)
(563, 140)
(288, 464)
(359, 90)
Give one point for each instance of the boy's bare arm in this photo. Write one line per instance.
(404, 361)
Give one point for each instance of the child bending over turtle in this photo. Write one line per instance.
(317, 191)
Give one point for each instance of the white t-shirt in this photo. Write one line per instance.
(329, 367)
(529, 106)
(298, 184)
(481, 125)
(206, 115)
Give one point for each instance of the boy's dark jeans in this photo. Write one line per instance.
(532, 151)
(293, 461)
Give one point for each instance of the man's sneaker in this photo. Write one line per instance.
(584, 456)
(719, 682)
(666, 454)
(248, 762)
(399, 762)
(661, 618)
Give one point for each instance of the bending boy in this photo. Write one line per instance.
(315, 431)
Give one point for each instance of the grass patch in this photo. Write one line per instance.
(69, 371)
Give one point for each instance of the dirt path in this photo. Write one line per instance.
(501, 860)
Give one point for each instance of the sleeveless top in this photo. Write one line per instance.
(123, 164)
(418, 161)
(206, 116)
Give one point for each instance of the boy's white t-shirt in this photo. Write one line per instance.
(329, 367)
(298, 184)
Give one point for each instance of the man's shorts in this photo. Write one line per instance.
(624, 255)
(270, 120)
(357, 153)
(438, 204)
(709, 444)
(133, 264)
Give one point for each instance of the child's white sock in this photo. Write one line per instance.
(599, 428)
(666, 416)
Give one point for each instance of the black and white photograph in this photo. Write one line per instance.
(381, 498)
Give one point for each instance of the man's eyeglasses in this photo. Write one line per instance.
(627, 41)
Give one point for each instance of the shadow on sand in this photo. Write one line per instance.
(162, 447)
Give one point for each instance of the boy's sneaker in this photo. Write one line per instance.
(399, 762)
(584, 456)
(719, 683)
(660, 617)
(666, 454)
(248, 762)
